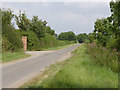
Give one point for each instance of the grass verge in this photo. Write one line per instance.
(58, 47)
(10, 56)
(77, 72)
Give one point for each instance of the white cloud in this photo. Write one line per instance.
(87, 5)
(45, 4)
(69, 16)
(0, 5)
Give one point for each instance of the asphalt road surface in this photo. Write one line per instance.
(17, 73)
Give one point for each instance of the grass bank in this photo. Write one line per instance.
(58, 47)
(77, 72)
(104, 56)
(10, 56)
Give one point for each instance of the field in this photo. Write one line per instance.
(78, 71)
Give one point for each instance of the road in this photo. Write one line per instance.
(17, 73)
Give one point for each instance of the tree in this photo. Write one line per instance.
(8, 32)
(23, 22)
(69, 36)
(49, 30)
(38, 26)
(91, 37)
(103, 31)
(107, 30)
(115, 18)
(82, 37)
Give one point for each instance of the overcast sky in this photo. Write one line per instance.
(78, 17)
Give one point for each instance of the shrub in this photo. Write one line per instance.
(12, 41)
(6, 45)
(33, 42)
(48, 41)
(112, 43)
(104, 56)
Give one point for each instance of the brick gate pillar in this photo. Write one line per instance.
(24, 40)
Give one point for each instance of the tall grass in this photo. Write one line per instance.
(103, 56)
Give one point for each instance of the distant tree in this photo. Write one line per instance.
(62, 36)
(69, 36)
(82, 37)
(56, 35)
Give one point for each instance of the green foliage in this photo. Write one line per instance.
(115, 9)
(22, 21)
(82, 38)
(112, 43)
(107, 35)
(48, 41)
(13, 38)
(102, 31)
(70, 36)
(91, 37)
(12, 41)
(38, 34)
(104, 56)
(33, 42)
(38, 26)
(7, 16)
(6, 45)
(48, 30)
(107, 29)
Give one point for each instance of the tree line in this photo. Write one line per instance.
(38, 32)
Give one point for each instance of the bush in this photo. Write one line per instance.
(33, 42)
(82, 38)
(6, 45)
(12, 41)
(48, 41)
(104, 56)
(112, 43)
